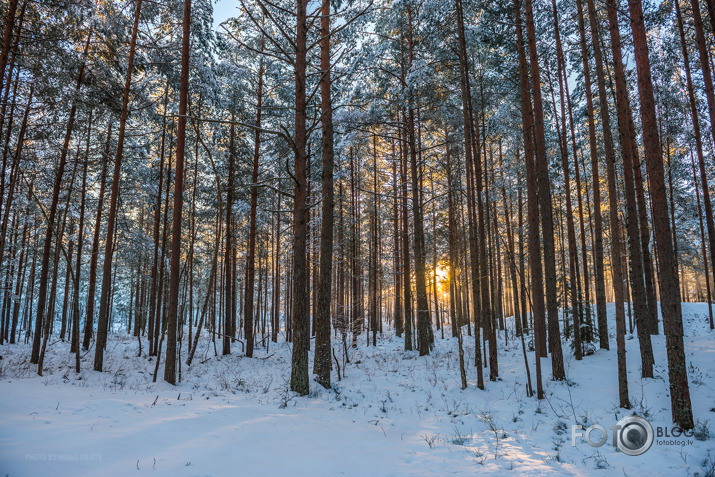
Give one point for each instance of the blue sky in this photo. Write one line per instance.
(224, 9)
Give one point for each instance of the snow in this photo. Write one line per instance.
(394, 413)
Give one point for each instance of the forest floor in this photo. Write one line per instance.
(393, 413)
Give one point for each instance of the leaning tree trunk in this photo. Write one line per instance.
(7, 37)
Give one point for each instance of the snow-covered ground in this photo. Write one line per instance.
(394, 413)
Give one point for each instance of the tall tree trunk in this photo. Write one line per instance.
(544, 194)
(89, 310)
(570, 228)
(103, 317)
(398, 316)
(627, 135)
(596, 183)
(698, 145)
(702, 239)
(42, 297)
(153, 302)
(322, 319)
(21, 268)
(7, 38)
(481, 185)
(537, 286)
(228, 331)
(277, 287)
(80, 241)
(300, 319)
(616, 246)
(423, 319)
(670, 303)
(468, 150)
(250, 263)
(373, 249)
(172, 317)
(406, 273)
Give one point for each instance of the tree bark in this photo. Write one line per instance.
(544, 194)
(670, 302)
(172, 317)
(300, 319)
(610, 159)
(42, 297)
(103, 317)
(698, 148)
(322, 319)
(469, 160)
(536, 285)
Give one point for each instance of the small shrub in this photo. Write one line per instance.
(702, 430)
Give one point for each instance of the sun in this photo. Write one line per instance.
(442, 272)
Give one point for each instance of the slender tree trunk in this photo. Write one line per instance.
(89, 311)
(322, 319)
(406, 273)
(7, 38)
(277, 289)
(42, 297)
(172, 317)
(250, 263)
(702, 238)
(616, 247)
(627, 135)
(423, 320)
(596, 183)
(373, 249)
(570, 228)
(80, 241)
(103, 317)
(398, 316)
(698, 147)
(537, 286)
(228, 331)
(469, 160)
(153, 302)
(544, 193)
